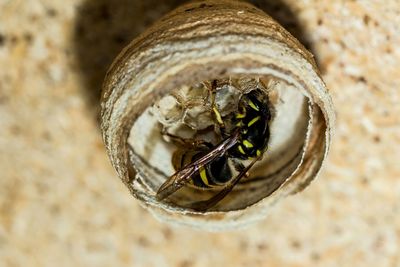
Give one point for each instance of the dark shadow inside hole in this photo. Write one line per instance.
(286, 16)
(104, 27)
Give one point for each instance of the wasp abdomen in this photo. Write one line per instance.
(214, 174)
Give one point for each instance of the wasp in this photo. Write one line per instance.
(206, 166)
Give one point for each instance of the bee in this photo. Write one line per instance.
(205, 166)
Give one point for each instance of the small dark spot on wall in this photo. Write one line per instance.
(343, 45)
(186, 263)
(55, 209)
(51, 12)
(15, 130)
(379, 242)
(28, 37)
(34, 18)
(47, 136)
(337, 230)
(3, 99)
(244, 245)
(14, 40)
(377, 139)
(366, 19)
(143, 241)
(167, 232)
(262, 247)
(315, 256)
(362, 79)
(319, 22)
(364, 180)
(296, 244)
(67, 52)
(2, 39)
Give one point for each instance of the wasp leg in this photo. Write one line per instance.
(215, 113)
(185, 142)
(238, 166)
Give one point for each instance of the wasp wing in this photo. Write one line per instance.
(206, 204)
(181, 177)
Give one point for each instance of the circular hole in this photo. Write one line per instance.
(191, 121)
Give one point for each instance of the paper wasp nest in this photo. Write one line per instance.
(160, 84)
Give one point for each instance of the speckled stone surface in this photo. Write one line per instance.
(61, 203)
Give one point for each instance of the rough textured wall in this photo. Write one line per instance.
(61, 203)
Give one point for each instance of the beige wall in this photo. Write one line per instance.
(62, 205)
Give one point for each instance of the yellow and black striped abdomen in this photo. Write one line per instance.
(216, 173)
